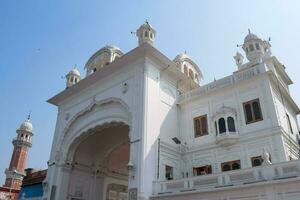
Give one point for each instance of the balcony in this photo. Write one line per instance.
(203, 183)
(227, 138)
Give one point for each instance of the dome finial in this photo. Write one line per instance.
(249, 31)
(29, 116)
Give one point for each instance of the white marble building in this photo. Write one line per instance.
(142, 126)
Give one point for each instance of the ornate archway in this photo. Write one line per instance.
(92, 145)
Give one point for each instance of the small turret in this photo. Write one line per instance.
(146, 34)
(255, 48)
(72, 77)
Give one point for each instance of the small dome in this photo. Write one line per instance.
(250, 36)
(146, 25)
(102, 57)
(26, 126)
(74, 72)
(183, 58)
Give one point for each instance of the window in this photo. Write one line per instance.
(289, 123)
(185, 70)
(198, 171)
(196, 78)
(230, 123)
(151, 35)
(246, 49)
(257, 46)
(191, 74)
(256, 161)
(94, 70)
(146, 33)
(169, 172)
(231, 165)
(222, 125)
(200, 126)
(216, 128)
(251, 47)
(71, 79)
(252, 111)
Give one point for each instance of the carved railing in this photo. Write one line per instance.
(227, 138)
(284, 170)
(238, 76)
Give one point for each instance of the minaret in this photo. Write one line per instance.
(15, 172)
(146, 34)
(255, 48)
(72, 77)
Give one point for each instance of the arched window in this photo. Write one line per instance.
(22, 136)
(146, 33)
(185, 70)
(216, 128)
(230, 124)
(256, 110)
(151, 35)
(222, 125)
(257, 46)
(191, 74)
(95, 69)
(72, 79)
(251, 47)
(196, 78)
(248, 113)
(252, 111)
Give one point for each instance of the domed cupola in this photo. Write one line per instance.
(187, 66)
(103, 57)
(146, 33)
(72, 77)
(254, 47)
(25, 133)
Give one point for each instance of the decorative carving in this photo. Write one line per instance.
(239, 59)
(67, 117)
(133, 194)
(266, 158)
(124, 87)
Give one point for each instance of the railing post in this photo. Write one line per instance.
(220, 179)
(186, 184)
(227, 179)
(191, 183)
(164, 187)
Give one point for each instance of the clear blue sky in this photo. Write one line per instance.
(68, 32)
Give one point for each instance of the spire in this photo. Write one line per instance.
(249, 32)
(29, 116)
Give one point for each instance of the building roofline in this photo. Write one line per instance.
(145, 50)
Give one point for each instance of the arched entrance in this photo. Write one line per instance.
(98, 163)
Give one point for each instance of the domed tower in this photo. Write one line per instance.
(23, 141)
(255, 48)
(146, 34)
(72, 77)
(187, 66)
(101, 58)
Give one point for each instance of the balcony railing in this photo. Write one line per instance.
(284, 170)
(227, 138)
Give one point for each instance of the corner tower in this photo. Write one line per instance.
(146, 33)
(15, 172)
